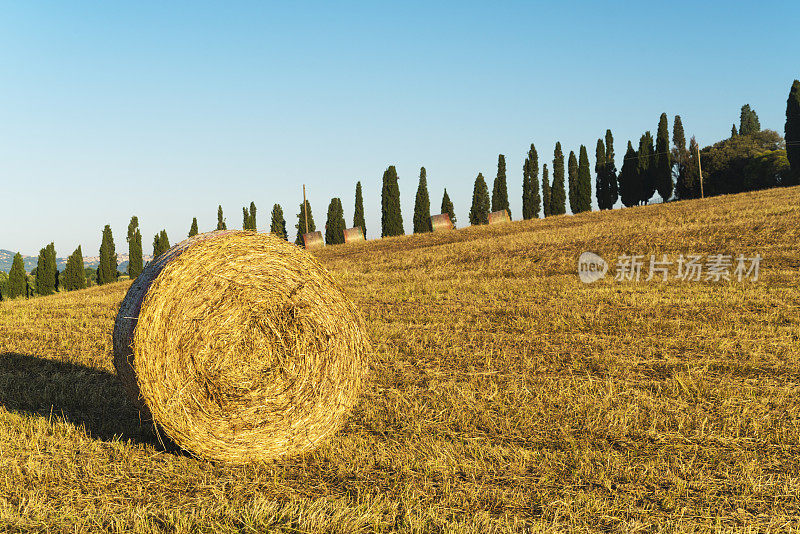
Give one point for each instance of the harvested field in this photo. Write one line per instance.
(504, 394)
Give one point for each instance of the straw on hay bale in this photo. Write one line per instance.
(241, 347)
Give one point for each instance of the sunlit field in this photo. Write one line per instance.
(504, 394)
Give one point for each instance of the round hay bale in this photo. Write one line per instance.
(241, 347)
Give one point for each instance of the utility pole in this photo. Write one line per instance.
(700, 169)
(305, 208)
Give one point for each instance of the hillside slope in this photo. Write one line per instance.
(504, 394)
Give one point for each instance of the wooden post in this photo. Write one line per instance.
(305, 209)
(700, 170)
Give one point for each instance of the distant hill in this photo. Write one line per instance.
(7, 258)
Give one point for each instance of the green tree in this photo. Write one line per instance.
(600, 181)
(611, 172)
(662, 167)
(479, 212)
(558, 197)
(748, 121)
(220, 220)
(17, 279)
(447, 207)
(628, 179)
(422, 205)
(278, 223)
(734, 132)
(193, 230)
(301, 223)
(74, 273)
(572, 182)
(249, 217)
(500, 189)
(545, 192)
(358, 212)
(792, 131)
(334, 228)
(645, 168)
(724, 163)
(46, 271)
(682, 160)
(391, 216)
(134, 238)
(160, 243)
(692, 177)
(107, 270)
(583, 189)
(531, 199)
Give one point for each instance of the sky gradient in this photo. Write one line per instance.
(113, 109)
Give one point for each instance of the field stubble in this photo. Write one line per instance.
(504, 394)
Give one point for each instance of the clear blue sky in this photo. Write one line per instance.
(167, 109)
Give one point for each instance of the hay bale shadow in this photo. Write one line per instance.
(82, 396)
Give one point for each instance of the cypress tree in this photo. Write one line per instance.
(107, 270)
(600, 181)
(193, 229)
(134, 238)
(531, 199)
(17, 279)
(301, 223)
(500, 189)
(572, 182)
(422, 205)
(249, 217)
(358, 213)
(74, 273)
(734, 133)
(160, 243)
(583, 189)
(792, 131)
(558, 197)
(748, 121)
(545, 192)
(44, 286)
(692, 170)
(278, 223)
(391, 216)
(334, 228)
(612, 191)
(220, 221)
(629, 187)
(447, 207)
(645, 168)
(479, 212)
(662, 167)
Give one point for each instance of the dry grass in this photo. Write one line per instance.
(505, 395)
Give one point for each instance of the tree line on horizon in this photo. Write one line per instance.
(750, 159)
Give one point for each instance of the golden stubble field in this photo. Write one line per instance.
(504, 395)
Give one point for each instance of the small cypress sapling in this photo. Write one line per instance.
(193, 230)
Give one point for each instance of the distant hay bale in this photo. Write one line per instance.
(497, 217)
(441, 222)
(354, 234)
(241, 347)
(313, 240)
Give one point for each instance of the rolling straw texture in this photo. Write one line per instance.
(241, 347)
